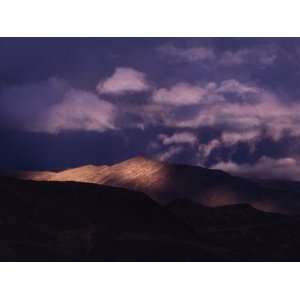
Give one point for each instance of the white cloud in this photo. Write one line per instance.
(52, 106)
(265, 168)
(173, 150)
(238, 121)
(22, 106)
(188, 54)
(228, 139)
(260, 55)
(234, 86)
(178, 138)
(250, 137)
(206, 149)
(264, 111)
(123, 80)
(180, 94)
(79, 110)
(231, 138)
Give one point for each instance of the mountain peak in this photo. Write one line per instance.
(139, 164)
(140, 159)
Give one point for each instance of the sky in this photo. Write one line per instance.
(223, 103)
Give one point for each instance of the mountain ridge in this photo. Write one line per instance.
(164, 182)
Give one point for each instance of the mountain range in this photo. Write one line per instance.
(165, 182)
(146, 210)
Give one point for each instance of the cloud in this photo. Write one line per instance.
(236, 111)
(187, 54)
(79, 110)
(122, 81)
(178, 138)
(240, 112)
(54, 105)
(206, 149)
(263, 56)
(22, 105)
(172, 151)
(234, 86)
(250, 137)
(228, 139)
(258, 55)
(231, 138)
(265, 168)
(263, 111)
(179, 95)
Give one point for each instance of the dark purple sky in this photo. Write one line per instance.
(228, 103)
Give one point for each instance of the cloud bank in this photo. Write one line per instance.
(221, 97)
(53, 106)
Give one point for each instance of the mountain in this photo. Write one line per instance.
(79, 221)
(73, 221)
(165, 182)
(243, 232)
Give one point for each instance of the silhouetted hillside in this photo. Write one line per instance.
(43, 220)
(244, 232)
(80, 221)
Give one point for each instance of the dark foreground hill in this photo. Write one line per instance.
(79, 221)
